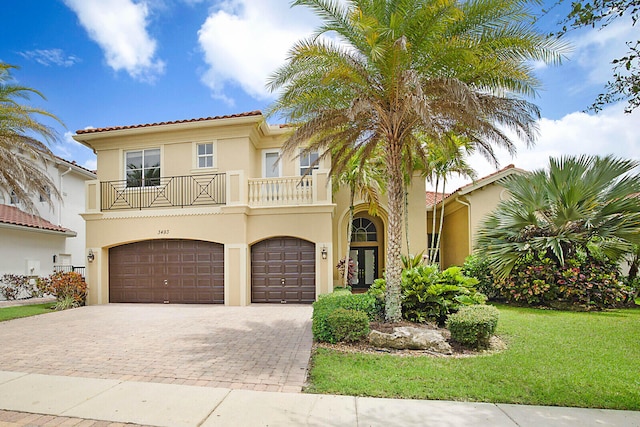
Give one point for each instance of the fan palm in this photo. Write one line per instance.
(397, 70)
(21, 154)
(578, 203)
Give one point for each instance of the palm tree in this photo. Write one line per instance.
(21, 154)
(364, 179)
(396, 70)
(445, 159)
(578, 203)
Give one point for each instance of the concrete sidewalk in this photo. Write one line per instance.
(180, 405)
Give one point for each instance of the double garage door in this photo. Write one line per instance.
(191, 271)
(167, 271)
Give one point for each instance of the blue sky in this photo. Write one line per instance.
(119, 62)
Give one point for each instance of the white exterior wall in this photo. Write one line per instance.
(17, 246)
(21, 251)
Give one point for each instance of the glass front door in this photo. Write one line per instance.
(366, 263)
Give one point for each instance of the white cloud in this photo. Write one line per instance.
(49, 57)
(596, 48)
(91, 164)
(609, 132)
(119, 28)
(244, 41)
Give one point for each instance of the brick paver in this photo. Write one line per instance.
(260, 347)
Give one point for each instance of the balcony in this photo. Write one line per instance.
(222, 189)
(175, 191)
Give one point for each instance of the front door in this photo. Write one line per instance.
(366, 263)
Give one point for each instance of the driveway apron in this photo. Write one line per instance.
(259, 347)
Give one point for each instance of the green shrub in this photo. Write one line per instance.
(583, 282)
(473, 325)
(477, 266)
(347, 325)
(432, 295)
(326, 304)
(377, 290)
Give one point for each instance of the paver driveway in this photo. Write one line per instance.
(260, 347)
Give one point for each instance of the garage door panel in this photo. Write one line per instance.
(287, 258)
(194, 271)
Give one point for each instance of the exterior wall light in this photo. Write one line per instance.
(324, 252)
(91, 256)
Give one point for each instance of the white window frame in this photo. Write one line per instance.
(308, 158)
(124, 164)
(264, 162)
(195, 165)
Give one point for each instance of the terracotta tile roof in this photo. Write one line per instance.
(438, 197)
(476, 182)
(511, 166)
(73, 162)
(202, 119)
(14, 216)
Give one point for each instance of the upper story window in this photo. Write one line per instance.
(308, 162)
(14, 198)
(143, 167)
(205, 155)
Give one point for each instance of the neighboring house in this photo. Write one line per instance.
(202, 211)
(53, 238)
(464, 211)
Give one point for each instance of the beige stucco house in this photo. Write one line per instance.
(203, 211)
(464, 211)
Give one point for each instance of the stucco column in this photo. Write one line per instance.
(237, 289)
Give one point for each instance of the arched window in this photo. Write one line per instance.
(363, 230)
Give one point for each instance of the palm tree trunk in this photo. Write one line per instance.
(349, 232)
(432, 244)
(444, 184)
(395, 183)
(406, 218)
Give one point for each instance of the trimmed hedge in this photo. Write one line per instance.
(473, 325)
(348, 325)
(326, 304)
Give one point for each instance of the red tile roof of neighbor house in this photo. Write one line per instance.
(14, 216)
(144, 125)
(476, 182)
(438, 195)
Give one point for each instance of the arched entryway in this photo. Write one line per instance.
(367, 236)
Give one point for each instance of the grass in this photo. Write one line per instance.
(553, 358)
(16, 312)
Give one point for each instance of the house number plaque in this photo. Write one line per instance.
(163, 231)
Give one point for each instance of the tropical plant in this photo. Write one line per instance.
(584, 203)
(445, 159)
(396, 71)
(431, 295)
(21, 154)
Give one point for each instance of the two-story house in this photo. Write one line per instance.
(53, 237)
(207, 211)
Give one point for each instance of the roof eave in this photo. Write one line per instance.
(66, 233)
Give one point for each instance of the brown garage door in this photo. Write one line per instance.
(283, 269)
(171, 270)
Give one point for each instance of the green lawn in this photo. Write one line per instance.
(553, 358)
(9, 313)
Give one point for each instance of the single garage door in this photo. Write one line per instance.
(283, 269)
(171, 270)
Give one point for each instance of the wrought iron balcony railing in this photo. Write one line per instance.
(174, 191)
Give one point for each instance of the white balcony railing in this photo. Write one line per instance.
(281, 191)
